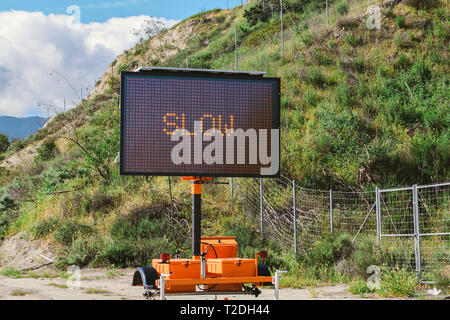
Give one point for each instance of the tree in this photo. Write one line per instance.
(151, 27)
(98, 147)
(4, 143)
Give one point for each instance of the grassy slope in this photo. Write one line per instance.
(359, 107)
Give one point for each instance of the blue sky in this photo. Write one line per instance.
(102, 10)
(39, 38)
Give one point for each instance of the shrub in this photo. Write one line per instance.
(45, 227)
(311, 98)
(81, 253)
(6, 219)
(257, 12)
(352, 40)
(403, 61)
(321, 58)
(344, 96)
(365, 254)
(441, 278)
(4, 142)
(264, 33)
(67, 232)
(342, 8)
(316, 77)
(358, 286)
(306, 38)
(329, 250)
(358, 63)
(6, 202)
(422, 4)
(54, 176)
(125, 253)
(397, 282)
(400, 21)
(47, 150)
(17, 145)
(114, 83)
(99, 201)
(117, 253)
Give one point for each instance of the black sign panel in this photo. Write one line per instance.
(199, 124)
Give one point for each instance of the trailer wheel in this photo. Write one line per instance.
(146, 277)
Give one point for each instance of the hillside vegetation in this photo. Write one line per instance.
(360, 108)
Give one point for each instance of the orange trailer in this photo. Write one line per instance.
(214, 267)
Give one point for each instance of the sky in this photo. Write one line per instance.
(42, 40)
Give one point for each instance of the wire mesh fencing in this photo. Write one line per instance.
(416, 221)
(411, 224)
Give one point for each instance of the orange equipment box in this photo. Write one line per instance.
(225, 247)
(179, 269)
(230, 267)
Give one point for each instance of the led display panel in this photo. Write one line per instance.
(199, 124)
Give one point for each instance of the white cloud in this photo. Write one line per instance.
(32, 45)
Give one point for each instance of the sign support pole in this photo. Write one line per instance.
(196, 191)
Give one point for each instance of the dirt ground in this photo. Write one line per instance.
(102, 284)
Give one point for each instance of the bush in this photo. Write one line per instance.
(441, 278)
(127, 253)
(6, 219)
(344, 96)
(397, 282)
(113, 83)
(316, 77)
(365, 254)
(67, 232)
(422, 4)
(400, 21)
(47, 150)
(82, 252)
(99, 201)
(17, 145)
(358, 286)
(45, 227)
(118, 253)
(342, 8)
(4, 142)
(55, 176)
(358, 63)
(329, 250)
(403, 61)
(6, 202)
(352, 40)
(321, 58)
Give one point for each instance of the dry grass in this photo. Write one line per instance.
(58, 285)
(96, 291)
(19, 293)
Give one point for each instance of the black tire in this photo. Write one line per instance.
(145, 276)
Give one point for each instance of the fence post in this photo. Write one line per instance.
(261, 204)
(231, 189)
(417, 231)
(235, 49)
(327, 12)
(282, 34)
(295, 217)
(331, 211)
(378, 214)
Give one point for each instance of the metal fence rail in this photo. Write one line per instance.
(411, 224)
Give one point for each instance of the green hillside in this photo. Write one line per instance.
(360, 108)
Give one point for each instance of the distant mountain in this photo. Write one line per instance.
(20, 127)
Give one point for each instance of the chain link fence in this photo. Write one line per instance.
(411, 224)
